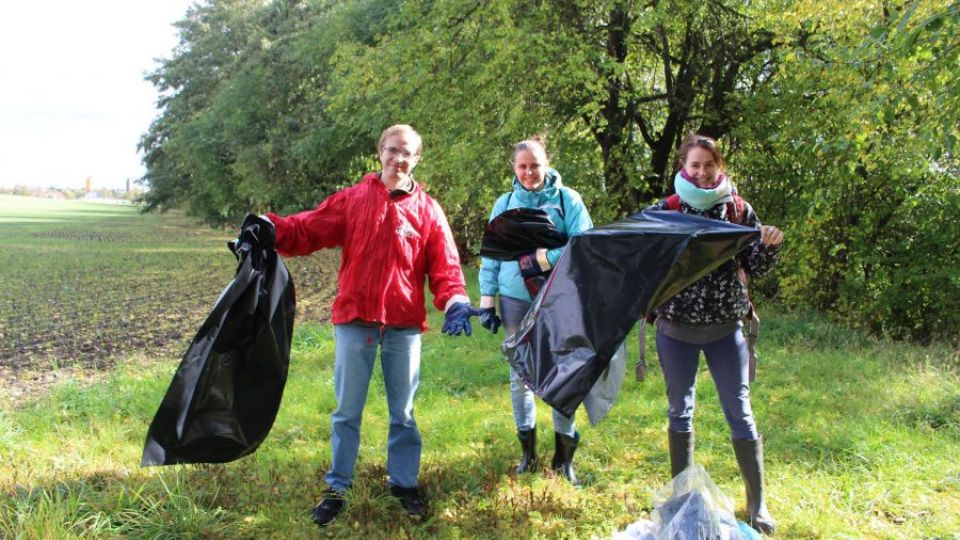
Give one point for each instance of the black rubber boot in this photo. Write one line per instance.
(750, 459)
(528, 442)
(411, 500)
(681, 451)
(331, 505)
(566, 446)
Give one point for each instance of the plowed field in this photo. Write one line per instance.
(84, 285)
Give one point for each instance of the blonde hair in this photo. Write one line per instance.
(400, 128)
(532, 144)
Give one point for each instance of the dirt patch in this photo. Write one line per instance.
(315, 279)
(23, 386)
(89, 330)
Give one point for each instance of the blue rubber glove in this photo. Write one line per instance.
(489, 319)
(457, 319)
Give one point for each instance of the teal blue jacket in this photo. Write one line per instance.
(569, 215)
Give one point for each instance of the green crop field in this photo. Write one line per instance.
(83, 281)
(98, 302)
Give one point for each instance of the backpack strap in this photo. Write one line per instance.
(673, 202)
(737, 210)
(737, 213)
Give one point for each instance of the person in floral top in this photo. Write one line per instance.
(707, 316)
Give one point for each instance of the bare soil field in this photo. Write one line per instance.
(83, 286)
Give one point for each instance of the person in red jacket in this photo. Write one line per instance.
(392, 236)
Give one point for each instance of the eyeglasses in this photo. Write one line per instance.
(393, 151)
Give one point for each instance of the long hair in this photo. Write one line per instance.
(695, 140)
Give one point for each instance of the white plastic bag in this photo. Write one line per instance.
(691, 507)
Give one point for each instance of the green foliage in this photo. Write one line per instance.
(925, 46)
(613, 85)
(282, 112)
(840, 151)
(243, 111)
(839, 123)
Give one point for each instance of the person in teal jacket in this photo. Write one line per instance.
(535, 185)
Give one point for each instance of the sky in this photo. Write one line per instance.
(73, 99)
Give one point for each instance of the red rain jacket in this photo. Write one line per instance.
(390, 244)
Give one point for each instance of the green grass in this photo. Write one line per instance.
(861, 442)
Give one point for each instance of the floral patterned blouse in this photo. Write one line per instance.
(720, 296)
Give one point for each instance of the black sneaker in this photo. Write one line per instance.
(410, 500)
(329, 507)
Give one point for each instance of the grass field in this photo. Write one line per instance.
(862, 435)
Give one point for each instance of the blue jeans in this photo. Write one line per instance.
(524, 407)
(728, 361)
(354, 357)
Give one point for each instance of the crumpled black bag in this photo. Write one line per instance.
(517, 231)
(227, 390)
(608, 278)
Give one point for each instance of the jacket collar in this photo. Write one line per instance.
(551, 187)
(408, 189)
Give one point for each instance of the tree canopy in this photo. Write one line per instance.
(839, 121)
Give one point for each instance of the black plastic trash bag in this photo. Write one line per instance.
(517, 232)
(608, 278)
(227, 390)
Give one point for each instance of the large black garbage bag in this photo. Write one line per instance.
(227, 390)
(518, 231)
(608, 278)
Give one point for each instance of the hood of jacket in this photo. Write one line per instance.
(534, 199)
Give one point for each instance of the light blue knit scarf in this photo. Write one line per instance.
(699, 198)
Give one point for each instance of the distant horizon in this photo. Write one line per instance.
(75, 102)
(62, 187)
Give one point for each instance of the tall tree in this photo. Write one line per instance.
(840, 123)
(244, 122)
(832, 149)
(648, 72)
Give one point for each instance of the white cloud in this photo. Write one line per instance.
(73, 102)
